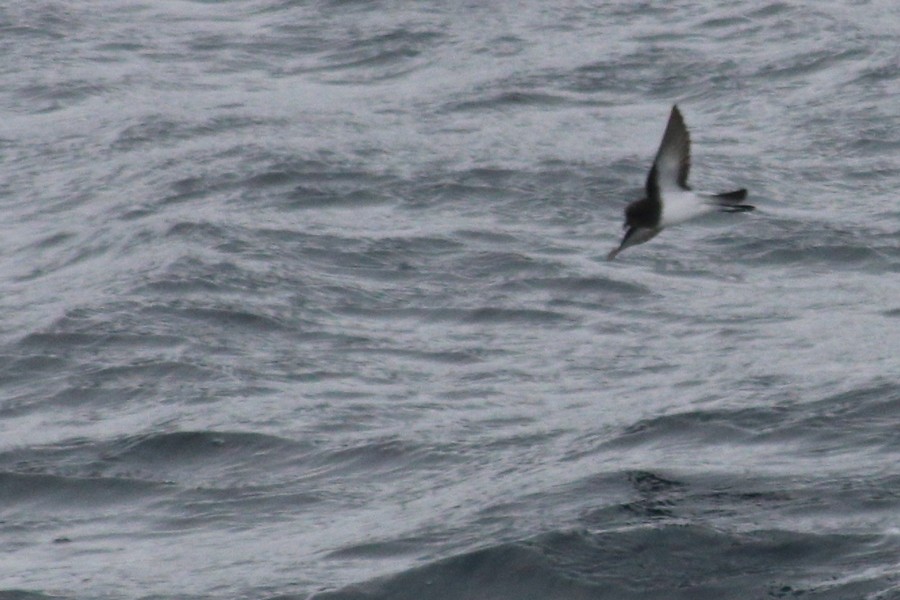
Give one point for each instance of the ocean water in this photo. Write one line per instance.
(309, 299)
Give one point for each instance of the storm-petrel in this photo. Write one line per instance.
(669, 200)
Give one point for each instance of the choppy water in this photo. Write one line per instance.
(310, 299)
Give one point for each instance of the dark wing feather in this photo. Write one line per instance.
(652, 186)
(673, 159)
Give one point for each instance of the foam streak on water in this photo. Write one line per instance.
(309, 299)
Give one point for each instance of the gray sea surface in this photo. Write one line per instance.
(309, 299)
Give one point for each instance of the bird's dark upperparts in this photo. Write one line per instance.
(668, 199)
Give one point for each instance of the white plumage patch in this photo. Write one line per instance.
(680, 205)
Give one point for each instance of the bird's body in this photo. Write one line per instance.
(669, 200)
(679, 206)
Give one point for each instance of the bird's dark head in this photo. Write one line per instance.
(641, 213)
(641, 225)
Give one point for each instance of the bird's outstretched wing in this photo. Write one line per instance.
(673, 159)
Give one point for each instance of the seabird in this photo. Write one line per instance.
(669, 200)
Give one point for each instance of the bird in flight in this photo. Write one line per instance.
(669, 200)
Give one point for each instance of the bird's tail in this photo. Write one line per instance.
(731, 201)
